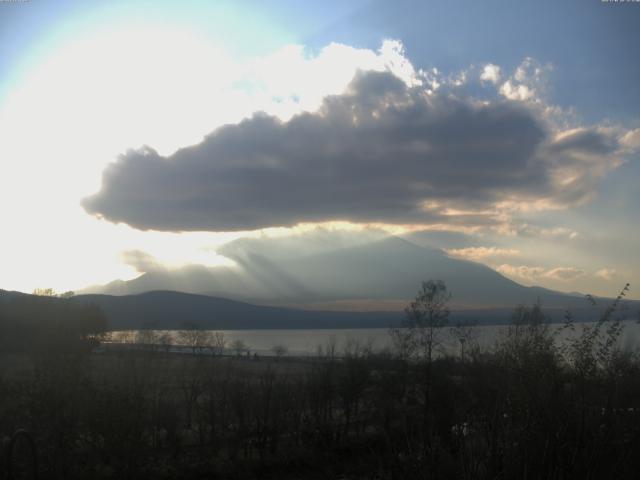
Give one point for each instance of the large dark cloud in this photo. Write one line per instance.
(380, 152)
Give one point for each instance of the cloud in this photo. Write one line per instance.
(606, 274)
(537, 273)
(491, 73)
(481, 253)
(291, 80)
(143, 262)
(528, 82)
(387, 150)
(564, 273)
(529, 230)
(516, 92)
(522, 271)
(631, 140)
(587, 141)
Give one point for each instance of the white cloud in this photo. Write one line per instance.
(491, 73)
(516, 92)
(536, 273)
(606, 274)
(481, 253)
(631, 139)
(521, 271)
(529, 230)
(564, 273)
(292, 80)
(527, 83)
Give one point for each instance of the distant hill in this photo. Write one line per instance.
(174, 310)
(9, 294)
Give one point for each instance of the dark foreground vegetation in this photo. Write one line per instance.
(528, 408)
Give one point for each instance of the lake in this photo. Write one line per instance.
(306, 342)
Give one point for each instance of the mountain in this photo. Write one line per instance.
(380, 275)
(393, 269)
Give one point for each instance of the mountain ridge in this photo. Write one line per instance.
(172, 310)
(385, 270)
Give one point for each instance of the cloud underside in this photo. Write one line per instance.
(381, 152)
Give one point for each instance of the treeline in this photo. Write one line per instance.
(44, 323)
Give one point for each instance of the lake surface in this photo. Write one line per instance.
(307, 342)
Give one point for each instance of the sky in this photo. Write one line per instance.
(173, 128)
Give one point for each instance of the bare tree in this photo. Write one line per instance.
(195, 338)
(356, 348)
(422, 333)
(594, 349)
(466, 334)
(426, 315)
(239, 347)
(147, 338)
(165, 341)
(329, 349)
(50, 292)
(218, 343)
(402, 342)
(279, 350)
(45, 292)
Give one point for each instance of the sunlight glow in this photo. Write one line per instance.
(120, 88)
(81, 107)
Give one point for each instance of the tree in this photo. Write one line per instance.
(165, 341)
(218, 343)
(279, 350)
(147, 338)
(528, 335)
(125, 336)
(420, 334)
(239, 347)
(593, 351)
(466, 333)
(426, 315)
(50, 292)
(529, 356)
(329, 349)
(45, 292)
(194, 337)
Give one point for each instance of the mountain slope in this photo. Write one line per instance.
(380, 275)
